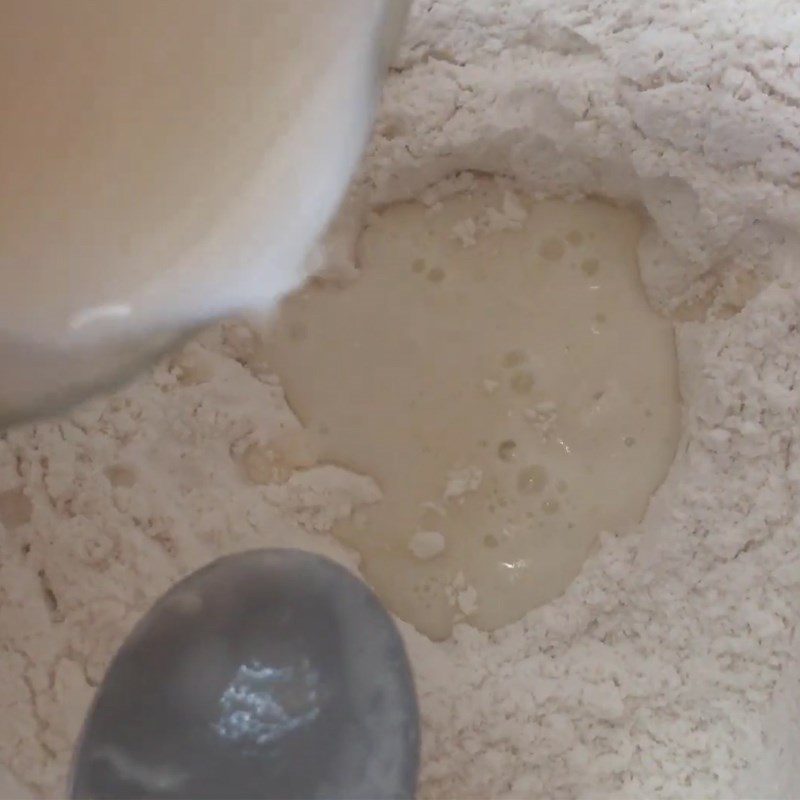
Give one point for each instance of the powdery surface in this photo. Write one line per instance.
(668, 668)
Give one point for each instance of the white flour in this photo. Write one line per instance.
(654, 675)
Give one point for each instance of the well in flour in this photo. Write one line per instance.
(395, 368)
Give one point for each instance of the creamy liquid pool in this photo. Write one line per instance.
(513, 398)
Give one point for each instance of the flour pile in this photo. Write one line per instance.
(668, 668)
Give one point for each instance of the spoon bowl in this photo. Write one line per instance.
(266, 674)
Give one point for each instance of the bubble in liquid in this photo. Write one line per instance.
(532, 479)
(551, 506)
(629, 441)
(552, 249)
(425, 545)
(436, 275)
(513, 358)
(507, 450)
(522, 382)
(590, 266)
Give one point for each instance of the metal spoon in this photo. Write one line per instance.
(267, 674)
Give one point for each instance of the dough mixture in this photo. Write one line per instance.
(668, 667)
(496, 368)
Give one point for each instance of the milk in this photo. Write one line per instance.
(512, 393)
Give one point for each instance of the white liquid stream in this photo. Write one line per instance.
(164, 163)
